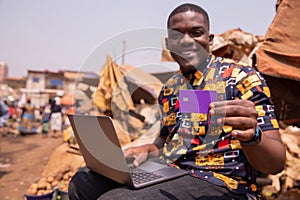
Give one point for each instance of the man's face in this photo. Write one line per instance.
(189, 39)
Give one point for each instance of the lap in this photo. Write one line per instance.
(186, 187)
(86, 184)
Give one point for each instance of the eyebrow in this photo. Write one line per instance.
(193, 28)
(199, 27)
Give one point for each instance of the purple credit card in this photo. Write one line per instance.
(196, 101)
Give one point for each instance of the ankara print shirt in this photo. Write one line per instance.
(194, 141)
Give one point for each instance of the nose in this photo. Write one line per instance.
(187, 39)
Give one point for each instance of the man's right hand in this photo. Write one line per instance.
(140, 153)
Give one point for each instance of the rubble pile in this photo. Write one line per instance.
(289, 179)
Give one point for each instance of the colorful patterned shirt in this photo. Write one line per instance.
(194, 142)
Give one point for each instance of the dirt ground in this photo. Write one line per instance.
(22, 161)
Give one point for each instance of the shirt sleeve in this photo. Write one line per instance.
(252, 86)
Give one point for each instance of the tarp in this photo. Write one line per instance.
(279, 55)
(111, 83)
(123, 85)
(278, 59)
(138, 79)
(117, 89)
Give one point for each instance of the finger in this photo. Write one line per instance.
(231, 103)
(239, 123)
(129, 152)
(243, 135)
(126, 153)
(234, 110)
(140, 159)
(217, 104)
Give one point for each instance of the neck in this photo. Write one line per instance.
(204, 64)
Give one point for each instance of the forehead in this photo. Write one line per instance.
(187, 19)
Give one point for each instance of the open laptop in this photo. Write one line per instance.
(101, 150)
(196, 101)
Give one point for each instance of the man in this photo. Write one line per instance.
(221, 149)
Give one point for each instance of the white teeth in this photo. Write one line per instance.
(186, 52)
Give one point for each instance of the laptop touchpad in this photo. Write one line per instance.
(151, 166)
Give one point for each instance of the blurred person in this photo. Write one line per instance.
(46, 112)
(56, 118)
(4, 115)
(222, 161)
(27, 125)
(11, 108)
(4, 112)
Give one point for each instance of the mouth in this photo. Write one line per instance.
(187, 54)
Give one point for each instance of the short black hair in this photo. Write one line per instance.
(188, 7)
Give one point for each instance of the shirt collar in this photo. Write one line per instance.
(198, 71)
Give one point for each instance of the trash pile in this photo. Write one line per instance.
(7, 93)
(289, 179)
(236, 44)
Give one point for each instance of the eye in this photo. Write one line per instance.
(175, 35)
(197, 34)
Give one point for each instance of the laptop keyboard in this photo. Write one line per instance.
(139, 176)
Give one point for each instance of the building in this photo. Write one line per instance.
(3, 71)
(44, 85)
(16, 82)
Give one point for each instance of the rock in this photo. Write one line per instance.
(42, 184)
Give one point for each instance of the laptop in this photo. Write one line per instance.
(196, 101)
(101, 150)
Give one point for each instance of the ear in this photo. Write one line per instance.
(211, 38)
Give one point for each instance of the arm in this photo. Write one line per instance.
(268, 156)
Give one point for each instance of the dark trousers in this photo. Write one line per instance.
(88, 185)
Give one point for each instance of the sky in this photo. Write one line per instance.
(77, 34)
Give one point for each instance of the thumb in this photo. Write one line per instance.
(245, 135)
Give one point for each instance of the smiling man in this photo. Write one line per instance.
(222, 150)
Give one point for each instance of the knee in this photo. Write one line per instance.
(76, 184)
(87, 185)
